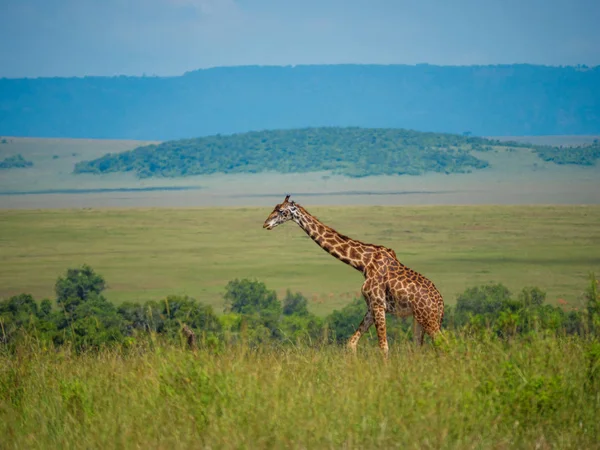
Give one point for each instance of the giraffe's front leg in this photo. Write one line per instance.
(379, 319)
(374, 291)
(362, 329)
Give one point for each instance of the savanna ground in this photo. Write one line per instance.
(470, 391)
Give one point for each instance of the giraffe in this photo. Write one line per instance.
(389, 285)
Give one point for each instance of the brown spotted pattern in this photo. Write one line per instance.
(389, 285)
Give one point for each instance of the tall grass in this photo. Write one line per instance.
(539, 392)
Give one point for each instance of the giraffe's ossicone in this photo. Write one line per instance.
(389, 285)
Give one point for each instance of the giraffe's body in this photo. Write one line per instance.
(389, 285)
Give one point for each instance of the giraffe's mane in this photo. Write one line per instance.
(343, 236)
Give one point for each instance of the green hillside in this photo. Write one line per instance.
(355, 152)
(347, 151)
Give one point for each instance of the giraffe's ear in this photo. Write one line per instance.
(287, 197)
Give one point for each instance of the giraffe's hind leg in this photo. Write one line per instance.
(418, 333)
(429, 320)
(362, 329)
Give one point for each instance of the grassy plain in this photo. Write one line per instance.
(149, 253)
(471, 393)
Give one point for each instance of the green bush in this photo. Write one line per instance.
(86, 320)
(343, 323)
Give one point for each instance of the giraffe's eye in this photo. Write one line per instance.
(280, 211)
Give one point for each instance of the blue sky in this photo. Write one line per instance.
(170, 37)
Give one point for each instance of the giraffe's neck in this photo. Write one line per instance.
(345, 249)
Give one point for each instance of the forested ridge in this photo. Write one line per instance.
(494, 100)
(351, 151)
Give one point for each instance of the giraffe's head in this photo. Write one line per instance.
(281, 213)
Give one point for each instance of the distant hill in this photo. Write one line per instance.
(483, 100)
(353, 151)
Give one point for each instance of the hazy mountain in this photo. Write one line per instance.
(485, 100)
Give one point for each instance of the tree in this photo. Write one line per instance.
(302, 328)
(18, 312)
(93, 323)
(85, 317)
(178, 310)
(295, 304)
(77, 286)
(532, 296)
(22, 313)
(253, 299)
(247, 297)
(343, 323)
(22, 304)
(487, 299)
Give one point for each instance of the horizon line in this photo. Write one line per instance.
(294, 66)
